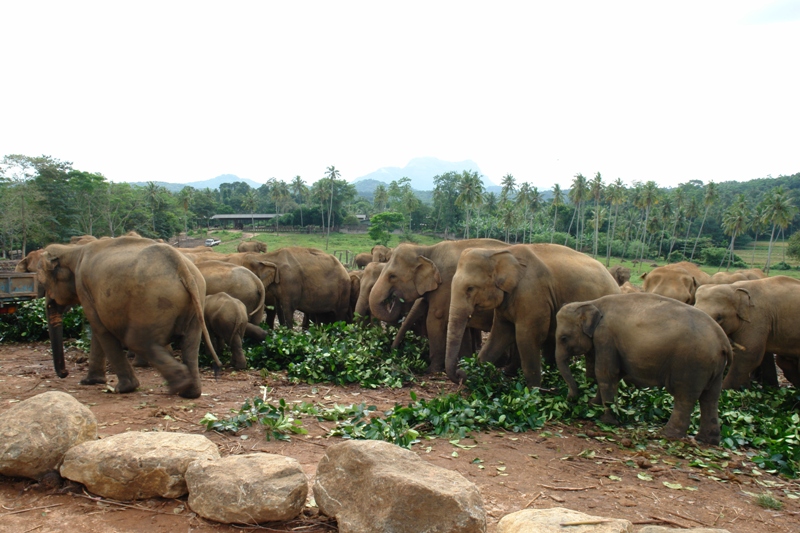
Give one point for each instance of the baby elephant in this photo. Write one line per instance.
(226, 320)
(650, 341)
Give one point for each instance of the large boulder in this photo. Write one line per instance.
(373, 486)
(36, 433)
(551, 520)
(134, 465)
(247, 489)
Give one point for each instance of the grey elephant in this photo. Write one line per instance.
(523, 286)
(381, 253)
(252, 246)
(721, 278)
(226, 320)
(136, 294)
(649, 341)
(678, 281)
(620, 273)
(760, 317)
(362, 260)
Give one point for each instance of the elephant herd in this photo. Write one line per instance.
(537, 301)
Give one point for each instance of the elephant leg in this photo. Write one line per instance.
(255, 333)
(530, 338)
(500, 339)
(182, 379)
(791, 369)
(97, 364)
(709, 414)
(681, 416)
(767, 373)
(126, 379)
(140, 361)
(237, 353)
(437, 341)
(270, 317)
(512, 362)
(745, 361)
(607, 369)
(306, 321)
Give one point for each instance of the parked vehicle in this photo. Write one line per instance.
(213, 242)
(15, 288)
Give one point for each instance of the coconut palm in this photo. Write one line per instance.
(596, 189)
(558, 199)
(646, 200)
(615, 194)
(522, 203)
(300, 192)
(735, 221)
(509, 185)
(471, 194)
(709, 198)
(577, 194)
(250, 202)
(279, 195)
(332, 174)
(780, 210)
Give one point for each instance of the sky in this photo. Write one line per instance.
(185, 91)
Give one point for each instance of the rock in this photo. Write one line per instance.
(36, 433)
(373, 486)
(135, 465)
(662, 529)
(247, 489)
(550, 520)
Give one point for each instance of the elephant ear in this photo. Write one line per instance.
(270, 273)
(743, 304)
(426, 276)
(507, 270)
(589, 317)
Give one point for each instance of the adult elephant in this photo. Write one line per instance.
(381, 253)
(240, 283)
(30, 263)
(722, 278)
(302, 279)
(678, 281)
(524, 286)
(427, 272)
(252, 247)
(760, 317)
(136, 294)
(362, 260)
(650, 341)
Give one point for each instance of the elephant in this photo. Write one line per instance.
(524, 286)
(760, 318)
(30, 263)
(355, 288)
(82, 239)
(721, 278)
(381, 253)
(362, 260)
(226, 320)
(426, 272)
(241, 284)
(301, 279)
(252, 246)
(650, 341)
(136, 294)
(628, 287)
(621, 274)
(677, 280)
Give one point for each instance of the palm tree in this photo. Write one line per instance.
(508, 216)
(509, 185)
(780, 212)
(381, 198)
(709, 198)
(649, 197)
(558, 199)
(691, 216)
(616, 197)
(300, 191)
(735, 221)
(332, 174)
(680, 197)
(522, 202)
(535, 200)
(185, 197)
(279, 195)
(250, 202)
(471, 193)
(577, 194)
(596, 189)
(153, 195)
(758, 224)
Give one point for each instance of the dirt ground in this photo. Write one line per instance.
(579, 468)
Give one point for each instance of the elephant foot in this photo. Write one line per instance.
(239, 364)
(193, 391)
(93, 380)
(433, 368)
(597, 400)
(609, 419)
(708, 435)
(140, 361)
(671, 433)
(126, 385)
(185, 387)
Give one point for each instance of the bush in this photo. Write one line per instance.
(719, 256)
(29, 323)
(781, 266)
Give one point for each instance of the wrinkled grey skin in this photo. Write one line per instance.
(650, 341)
(136, 294)
(620, 274)
(252, 247)
(523, 286)
(760, 317)
(678, 281)
(226, 320)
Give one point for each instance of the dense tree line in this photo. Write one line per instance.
(46, 200)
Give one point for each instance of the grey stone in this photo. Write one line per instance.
(373, 486)
(135, 465)
(551, 520)
(36, 433)
(247, 489)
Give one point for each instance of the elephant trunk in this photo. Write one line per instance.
(55, 328)
(456, 326)
(562, 360)
(384, 304)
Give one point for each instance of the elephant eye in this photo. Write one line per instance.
(563, 338)
(392, 277)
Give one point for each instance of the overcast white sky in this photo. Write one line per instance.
(185, 91)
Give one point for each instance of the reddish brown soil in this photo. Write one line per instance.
(554, 467)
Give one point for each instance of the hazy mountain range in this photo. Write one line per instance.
(420, 171)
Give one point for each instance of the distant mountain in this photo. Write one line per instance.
(419, 170)
(212, 184)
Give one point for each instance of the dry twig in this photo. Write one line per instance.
(572, 489)
(31, 509)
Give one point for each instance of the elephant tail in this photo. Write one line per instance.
(262, 293)
(190, 282)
